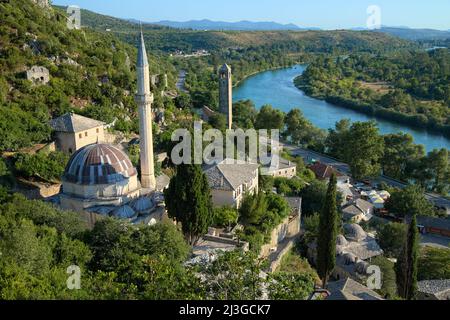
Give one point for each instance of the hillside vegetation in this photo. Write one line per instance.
(90, 73)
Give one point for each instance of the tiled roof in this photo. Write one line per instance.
(98, 164)
(225, 176)
(323, 171)
(73, 123)
(349, 289)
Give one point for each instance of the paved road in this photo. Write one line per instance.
(309, 155)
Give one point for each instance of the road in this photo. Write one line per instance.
(342, 167)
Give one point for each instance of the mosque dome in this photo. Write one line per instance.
(98, 164)
(124, 212)
(355, 232)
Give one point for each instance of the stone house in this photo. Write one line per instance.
(359, 210)
(229, 182)
(283, 169)
(73, 132)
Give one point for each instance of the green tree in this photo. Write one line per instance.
(409, 201)
(336, 139)
(363, 150)
(391, 238)
(400, 153)
(434, 263)
(225, 216)
(439, 170)
(188, 200)
(234, 275)
(388, 279)
(269, 118)
(244, 114)
(290, 286)
(326, 246)
(313, 197)
(406, 267)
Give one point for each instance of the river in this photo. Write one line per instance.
(277, 89)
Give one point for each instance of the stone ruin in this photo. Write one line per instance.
(38, 75)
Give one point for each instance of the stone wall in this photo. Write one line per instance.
(289, 228)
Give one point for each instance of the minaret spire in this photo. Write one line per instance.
(144, 99)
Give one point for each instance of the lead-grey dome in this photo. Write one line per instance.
(355, 232)
(98, 164)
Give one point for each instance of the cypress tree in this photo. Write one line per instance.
(326, 246)
(406, 266)
(188, 200)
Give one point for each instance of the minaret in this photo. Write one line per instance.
(144, 100)
(226, 94)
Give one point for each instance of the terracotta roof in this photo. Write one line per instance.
(323, 171)
(98, 164)
(72, 123)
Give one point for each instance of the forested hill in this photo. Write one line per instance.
(90, 72)
(168, 39)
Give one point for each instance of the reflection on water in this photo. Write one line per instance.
(277, 89)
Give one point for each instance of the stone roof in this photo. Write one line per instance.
(282, 164)
(434, 286)
(354, 232)
(348, 289)
(72, 123)
(352, 210)
(98, 164)
(364, 205)
(363, 250)
(230, 176)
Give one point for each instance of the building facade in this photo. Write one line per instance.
(229, 182)
(73, 132)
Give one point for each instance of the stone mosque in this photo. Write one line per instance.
(100, 178)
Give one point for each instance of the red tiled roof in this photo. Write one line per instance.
(323, 171)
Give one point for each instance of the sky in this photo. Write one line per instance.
(325, 14)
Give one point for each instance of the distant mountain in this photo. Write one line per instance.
(221, 25)
(416, 34)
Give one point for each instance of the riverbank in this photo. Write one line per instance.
(264, 70)
(412, 121)
(277, 88)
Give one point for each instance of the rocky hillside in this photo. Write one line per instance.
(89, 72)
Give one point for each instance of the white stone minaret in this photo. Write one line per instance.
(144, 100)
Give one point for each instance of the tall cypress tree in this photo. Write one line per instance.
(326, 246)
(188, 200)
(406, 266)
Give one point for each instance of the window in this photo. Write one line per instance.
(85, 134)
(98, 130)
(80, 136)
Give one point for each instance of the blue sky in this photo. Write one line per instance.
(327, 14)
